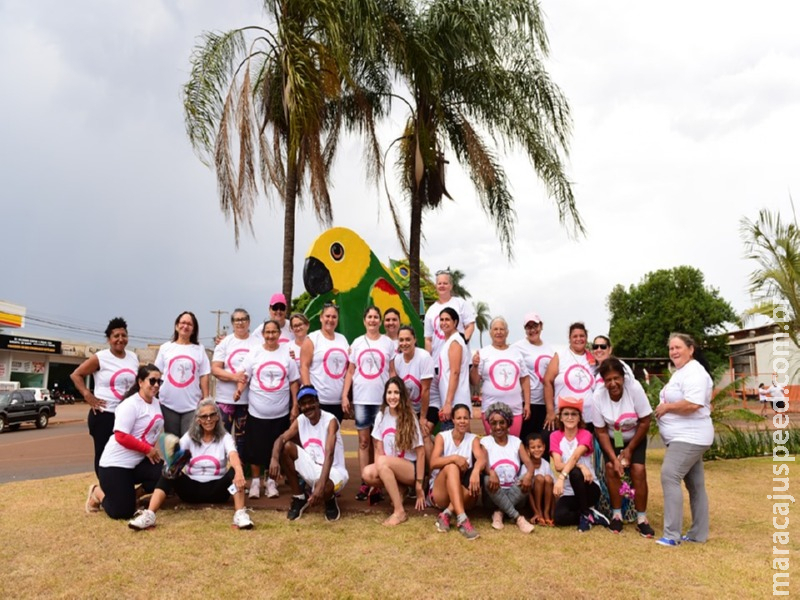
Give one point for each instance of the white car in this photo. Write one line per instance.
(41, 394)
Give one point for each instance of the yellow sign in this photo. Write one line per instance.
(11, 315)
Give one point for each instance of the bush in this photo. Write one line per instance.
(737, 443)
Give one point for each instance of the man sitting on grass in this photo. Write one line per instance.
(318, 458)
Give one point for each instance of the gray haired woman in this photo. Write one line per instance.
(505, 481)
(205, 478)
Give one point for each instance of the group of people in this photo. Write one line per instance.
(282, 393)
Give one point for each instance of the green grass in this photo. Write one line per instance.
(53, 549)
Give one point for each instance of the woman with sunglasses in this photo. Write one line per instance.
(602, 349)
(131, 456)
(323, 361)
(205, 479)
(186, 368)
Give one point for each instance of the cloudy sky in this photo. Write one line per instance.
(686, 118)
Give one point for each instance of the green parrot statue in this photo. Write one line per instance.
(340, 268)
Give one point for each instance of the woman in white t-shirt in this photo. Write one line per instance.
(206, 478)
(570, 374)
(299, 324)
(684, 421)
(621, 421)
(323, 361)
(399, 451)
(114, 372)
(454, 363)
(186, 368)
(131, 456)
(500, 371)
(370, 367)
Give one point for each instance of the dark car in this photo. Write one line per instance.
(21, 406)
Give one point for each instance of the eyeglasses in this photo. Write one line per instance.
(298, 325)
(570, 414)
(155, 381)
(498, 423)
(278, 307)
(600, 346)
(209, 417)
(241, 320)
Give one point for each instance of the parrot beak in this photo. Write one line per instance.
(316, 277)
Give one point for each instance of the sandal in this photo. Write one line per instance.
(393, 520)
(538, 521)
(549, 523)
(92, 504)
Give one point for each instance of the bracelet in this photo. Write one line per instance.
(419, 480)
(562, 475)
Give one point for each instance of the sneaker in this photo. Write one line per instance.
(272, 489)
(255, 489)
(524, 525)
(667, 542)
(297, 507)
(497, 520)
(686, 538)
(363, 492)
(599, 518)
(143, 519)
(443, 522)
(645, 530)
(584, 523)
(242, 520)
(467, 530)
(332, 512)
(374, 496)
(616, 526)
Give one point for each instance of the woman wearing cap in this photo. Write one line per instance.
(537, 355)
(323, 361)
(277, 312)
(570, 373)
(114, 372)
(621, 422)
(186, 368)
(130, 456)
(684, 421)
(576, 487)
(206, 478)
(508, 471)
(454, 362)
(226, 366)
(500, 371)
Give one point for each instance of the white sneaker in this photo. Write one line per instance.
(497, 520)
(524, 525)
(272, 489)
(242, 520)
(143, 519)
(255, 489)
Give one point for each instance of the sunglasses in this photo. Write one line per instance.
(155, 381)
(241, 320)
(533, 326)
(277, 307)
(210, 417)
(600, 346)
(443, 272)
(330, 305)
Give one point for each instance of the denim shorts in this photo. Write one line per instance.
(365, 415)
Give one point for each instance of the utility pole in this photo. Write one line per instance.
(219, 313)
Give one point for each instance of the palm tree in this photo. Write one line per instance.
(482, 318)
(775, 246)
(474, 73)
(268, 103)
(457, 277)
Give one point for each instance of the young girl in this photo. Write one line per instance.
(541, 495)
(399, 451)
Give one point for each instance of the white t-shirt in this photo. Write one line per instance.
(371, 359)
(537, 359)
(462, 395)
(575, 379)
(314, 438)
(139, 419)
(466, 315)
(294, 350)
(115, 377)
(598, 379)
(328, 366)
(500, 372)
(691, 382)
(287, 335)
(413, 373)
(182, 365)
(449, 448)
(624, 415)
(504, 460)
(270, 374)
(543, 469)
(561, 445)
(385, 429)
(209, 460)
(231, 352)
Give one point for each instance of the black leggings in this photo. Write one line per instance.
(199, 492)
(570, 508)
(118, 485)
(101, 428)
(536, 425)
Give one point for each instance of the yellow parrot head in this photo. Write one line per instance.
(337, 262)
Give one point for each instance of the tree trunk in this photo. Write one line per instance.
(289, 204)
(413, 248)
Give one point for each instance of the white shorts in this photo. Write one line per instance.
(311, 471)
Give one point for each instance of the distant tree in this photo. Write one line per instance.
(458, 285)
(299, 304)
(669, 300)
(482, 318)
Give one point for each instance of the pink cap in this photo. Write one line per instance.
(570, 402)
(532, 317)
(277, 298)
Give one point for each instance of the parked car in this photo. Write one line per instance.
(41, 394)
(21, 406)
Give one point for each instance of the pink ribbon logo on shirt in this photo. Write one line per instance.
(271, 379)
(181, 371)
(121, 381)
